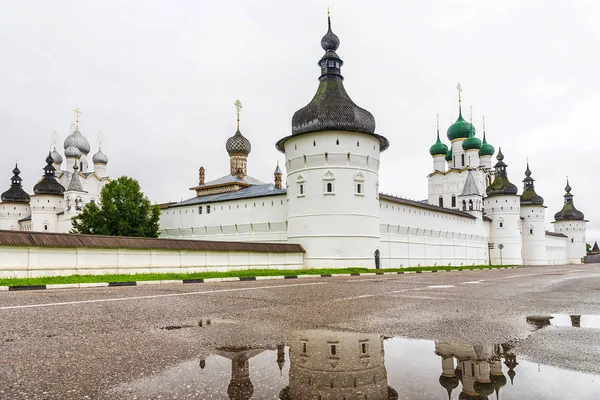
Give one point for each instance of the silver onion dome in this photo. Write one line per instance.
(72, 152)
(238, 144)
(100, 158)
(78, 140)
(56, 157)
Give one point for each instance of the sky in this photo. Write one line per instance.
(159, 79)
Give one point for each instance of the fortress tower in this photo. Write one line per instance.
(533, 212)
(571, 222)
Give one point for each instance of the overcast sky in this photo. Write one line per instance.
(160, 78)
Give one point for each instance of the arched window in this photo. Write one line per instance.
(329, 187)
(359, 180)
(301, 189)
(464, 205)
(453, 200)
(300, 186)
(470, 205)
(200, 210)
(359, 188)
(337, 142)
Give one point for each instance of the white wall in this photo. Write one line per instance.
(260, 219)
(11, 213)
(412, 236)
(575, 231)
(30, 262)
(534, 235)
(556, 250)
(505, 229)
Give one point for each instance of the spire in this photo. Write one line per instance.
(277, 174)
(15, 192)
(501, 185)
(486, 148)
(461, 129)
(438, 148)
(77, 113)
(459, 89)
(529, 196)
(238, 109)
(569, 212)
(48, 184)
(75, 183)
(470, 188)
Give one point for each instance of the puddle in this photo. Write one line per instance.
(575, 321)
(329, 365)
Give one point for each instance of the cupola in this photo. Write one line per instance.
(501, 185)
(48, 184)
(569, 212)
(529, 196)
(461, 129)
(438, 148)
(238, 144)
(15, 193)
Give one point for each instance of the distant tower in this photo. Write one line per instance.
(47, 200)
(56, 155)
(438, 151)
(332, 162)
(100, 159)
(486, 151)
(533, 212)
(238, 148)
(277, 175)
(504, 208)
(15, 203)
(77, 140)
(571, 222)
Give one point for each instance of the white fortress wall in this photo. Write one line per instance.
(259, 219)
(412, 236)
(556, 250)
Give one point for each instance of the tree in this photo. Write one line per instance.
(124, 211)
(588, 248)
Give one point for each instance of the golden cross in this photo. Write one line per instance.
(77, 112)
(459, 88)
(238, 108)
(328, 12)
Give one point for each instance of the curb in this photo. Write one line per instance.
(228, 279)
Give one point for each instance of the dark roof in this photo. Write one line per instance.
(230, 179)
(15, 192)
(425, 206)
(48, 184)
(238, 144)
(501, 185)
(45, 239)
(569, 212)
(529, 196)
(264, 190)
(548, 233)
(166, 205)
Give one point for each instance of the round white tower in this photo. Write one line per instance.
(504, 208)
(571, 222)
(15, 203)
(332, 163)
(47, 200)
(533, 212)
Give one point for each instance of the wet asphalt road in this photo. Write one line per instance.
(82, 343)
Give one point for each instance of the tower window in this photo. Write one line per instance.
(329, 187)
(462, 159)
(337, 142)
(333, 349)
(200, 210)
(358, 188)
(301, 189)
(531, 231)
(470, 205)
(208, 209)
(363, 348)
(464, 205)
(453, 200)
(46, 228)
(314, 142)
(501, 224)
(304, 348)
(357, 144)
(441, 201)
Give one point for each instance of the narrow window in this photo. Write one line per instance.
(357, 144)
(530, 231)
(200, 210)
(363, 348)
(441, 201)
(208, 209)
(501, 224)
(470, 205)
(301, 189)
(329, 187)
(304, 347)
(464, 205)
(453, 200)
(358, 188)
(314, 143)
(333, 349)
(572, 240)
(462, 159)
(46, 228)
(337, 142)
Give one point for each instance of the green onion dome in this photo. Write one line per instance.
(471, 143)
(438, 147)
(461, 129)
(449, 155)
(486, 148)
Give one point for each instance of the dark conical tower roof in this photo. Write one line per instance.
(331, 109)
(501, 185)
(48, 184)
(529, 196)
(569, 212)
(15, 193)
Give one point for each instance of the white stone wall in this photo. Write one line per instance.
(575, 232)
(341, 228)
(452, 183)
(30, 262)
(505, 212)
(11, 213)
(261, 219)
(44, 210)
(556, 250)
(534, 235)
(412, 236)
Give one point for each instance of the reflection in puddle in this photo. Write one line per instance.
(327, 365)
(575, 321)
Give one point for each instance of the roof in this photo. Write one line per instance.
(470, 188)
(46, 239)
(425, 206)
(162, 206)
(266, 189)
(548, 233)
(228, 179)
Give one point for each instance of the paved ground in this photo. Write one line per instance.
(73, 343)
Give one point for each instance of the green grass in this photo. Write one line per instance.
(205, 275)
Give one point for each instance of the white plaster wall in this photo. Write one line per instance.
(412, 236)
(472, 158)
(339, 229)
(556, 250)
(260, 219)
(439, 162)
(505, 229)
(575, 231)
(11, 213)
(534, 244)
(29, 262)
(452, 183)
(44, 210)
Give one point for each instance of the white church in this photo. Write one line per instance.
(63, 190)
(333, 207)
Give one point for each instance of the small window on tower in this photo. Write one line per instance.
(501, 224)
(208, 209)
(531, 231)
(329, 187)
(453, 200)
(200, 210)
(462, 159)
(441, 201)
(359, 188)
(301, 189)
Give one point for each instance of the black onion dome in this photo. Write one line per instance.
(569, 212)
(501, 185)
(15, 193)
(529, 196)
(48, 184)
(238, 144)
(331, 109)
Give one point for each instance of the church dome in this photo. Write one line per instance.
(486, 148)
(438, 148)
(569, 212)
(461, 129)
(15, 193)
(449, 155)
(529, 196)
(238, 144)
(501, 185)
(100, 158)
(471, 143)
(56, 157)
(48, 184)
(78, 140)
(72, 152)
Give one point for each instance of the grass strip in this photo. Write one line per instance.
(243, 273)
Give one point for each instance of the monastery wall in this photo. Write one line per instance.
(412, 236)
(31, 262)
(556, 250)
(260, 219)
